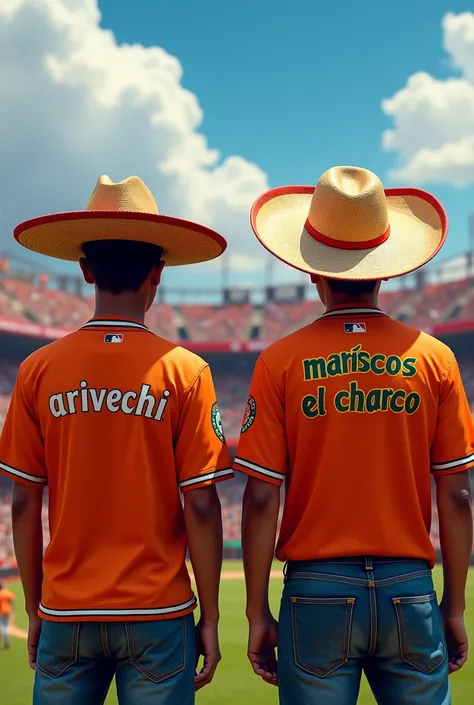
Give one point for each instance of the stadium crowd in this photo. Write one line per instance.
(34, 300)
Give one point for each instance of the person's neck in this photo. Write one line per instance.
(119, 305)
(338, 300)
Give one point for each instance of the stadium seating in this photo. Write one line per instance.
(231, 322)
(26, 300)
(161, 320)
(440, 302)
(282, 318)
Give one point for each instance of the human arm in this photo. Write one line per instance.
(262, 454)
(202, 460)
(22, 459)
(203, 518)
(456, 536)
(28, 541)
(452, 455)
(261, 504)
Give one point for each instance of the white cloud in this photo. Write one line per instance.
(433, 120)
(75, 104)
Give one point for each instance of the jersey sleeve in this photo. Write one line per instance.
(22, 456)
(201, 453)
(453, 445)
(262, 450)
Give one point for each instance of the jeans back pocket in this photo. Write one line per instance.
(158, 648)
(420, 631)
(322, 628)
(58, 647)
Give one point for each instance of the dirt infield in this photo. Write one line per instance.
(13, 630)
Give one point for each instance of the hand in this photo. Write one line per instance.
(263, 640)
(207, 645)
(34, 631)
(456, 639)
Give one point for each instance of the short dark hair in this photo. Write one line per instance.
(120, 265)
(352, 288)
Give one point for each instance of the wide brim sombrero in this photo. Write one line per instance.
(349, 227)
(120, 211)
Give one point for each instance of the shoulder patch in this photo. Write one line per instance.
(216, 422)
(250, 414)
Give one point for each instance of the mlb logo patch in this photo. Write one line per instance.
(355, 328)
(113, 338)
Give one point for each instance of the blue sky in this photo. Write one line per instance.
(295, 88)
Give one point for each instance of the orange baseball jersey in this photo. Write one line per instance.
(7, 599)
(355, 412)
(116, 421)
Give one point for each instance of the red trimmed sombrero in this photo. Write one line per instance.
(349, 227)
(120, 211)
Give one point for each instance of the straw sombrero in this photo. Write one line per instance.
(120, 211)
(349, 227)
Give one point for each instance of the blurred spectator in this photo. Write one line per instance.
(230, 322)
(35, 299)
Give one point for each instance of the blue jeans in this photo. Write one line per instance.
(153, 662)
(341, 617)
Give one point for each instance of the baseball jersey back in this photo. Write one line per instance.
(116, 421)
(356, 412)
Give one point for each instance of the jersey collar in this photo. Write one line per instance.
(115, 322)
(353, 310)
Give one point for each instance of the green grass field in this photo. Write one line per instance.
(234, 681)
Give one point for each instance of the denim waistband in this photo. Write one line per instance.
(366, 562)
(378, 570)
(358, 560)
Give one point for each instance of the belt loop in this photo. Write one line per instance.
(368, 563)
(285, 571)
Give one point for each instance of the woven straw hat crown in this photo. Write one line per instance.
(349, 205)
(128, 195)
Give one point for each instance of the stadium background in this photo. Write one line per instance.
(37, 307)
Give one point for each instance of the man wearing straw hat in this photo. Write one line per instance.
(117, 422)
(356, 413)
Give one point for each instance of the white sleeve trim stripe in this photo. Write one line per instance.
(258, 468)
(227, 472)
(453, 463)
(23, 475)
